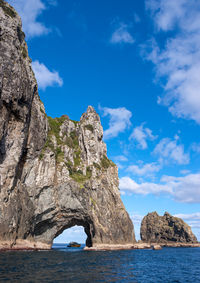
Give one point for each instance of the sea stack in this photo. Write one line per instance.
(165, 229)
(54, 173)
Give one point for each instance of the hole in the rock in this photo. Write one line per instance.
(73, 234)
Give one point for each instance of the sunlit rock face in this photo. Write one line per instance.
(165, 229)
(54, 173)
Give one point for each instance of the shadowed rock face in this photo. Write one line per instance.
(54, 173)
(165, 229)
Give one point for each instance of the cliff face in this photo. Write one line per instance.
(165, 229)
(54, 173)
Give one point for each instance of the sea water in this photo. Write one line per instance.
(63, 264)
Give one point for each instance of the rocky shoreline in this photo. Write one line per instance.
(25, 245)
(141, 246)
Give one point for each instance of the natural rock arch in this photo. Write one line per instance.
(53, 172)
(85, 223)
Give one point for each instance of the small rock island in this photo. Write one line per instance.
(166, 230)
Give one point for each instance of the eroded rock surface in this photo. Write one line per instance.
(54, 173)
(165, 229)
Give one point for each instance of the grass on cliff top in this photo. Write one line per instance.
(54, 130)
(71, 140)
(7, 10)
(75, 122)
(54, 125)
(106, 163)
(77, 175)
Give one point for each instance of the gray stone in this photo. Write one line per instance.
(54, 172)
(165, 229)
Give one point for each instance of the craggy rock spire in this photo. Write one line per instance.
(54, 173)
(165, 229)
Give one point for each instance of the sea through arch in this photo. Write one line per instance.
(49, 229)
(74, 234)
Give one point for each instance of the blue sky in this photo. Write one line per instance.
(138, 64)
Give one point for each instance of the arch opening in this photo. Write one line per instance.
(74, 234)
(75, 231)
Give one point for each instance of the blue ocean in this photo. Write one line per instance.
(63, 264)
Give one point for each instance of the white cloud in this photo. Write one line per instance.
(75, 233)
(183, 189)
(191, 216)
(168, 150)
(29, 12)
(141, 135)
(166, 13)
(129, 185)
(119, 120)
(146, 169)
(45, 77)
(121, 158)
(122, 35)
(186, 188)
(178, 61)
(196, 147)
(184, 171)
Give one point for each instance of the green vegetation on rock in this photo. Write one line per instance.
(93, 202)
(7, 10)
(96, 165)
(20, 34)
(59, 155)
(106, 163)
(72, 140)
(77, 159)
(89, 127)
(42, 111)
(75, 122)
(24, 52)
(77, 175)
(54, 130)
(54, 125)
(74, 137)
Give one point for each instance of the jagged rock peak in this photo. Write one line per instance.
(165, 229)
(91, 109)
(90, 114)
(54, 173)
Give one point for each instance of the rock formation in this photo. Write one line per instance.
(165, 229)
(54, 173)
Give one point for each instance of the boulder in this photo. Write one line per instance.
(165, 229)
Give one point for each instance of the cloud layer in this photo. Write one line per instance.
(119, 121)
(146, 169)
(178, 62)
(141, 135)
(183, 189)
(122, 35)
(169, 150)
(29, 12)
(45, 77)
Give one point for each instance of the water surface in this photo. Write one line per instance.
(64, 264)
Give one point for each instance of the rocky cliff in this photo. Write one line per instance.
(54, 173)
(165, 229)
